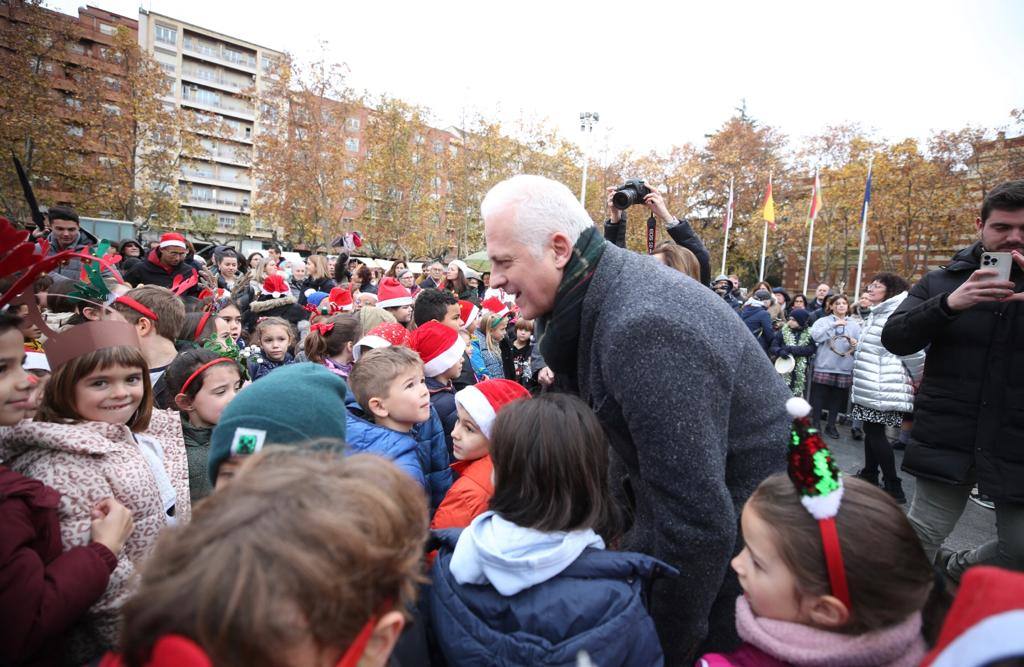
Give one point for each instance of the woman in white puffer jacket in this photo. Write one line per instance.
(883, 384)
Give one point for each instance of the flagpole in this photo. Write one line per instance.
(728, 224)
(863, 230)
(764, 237)
(810, 236)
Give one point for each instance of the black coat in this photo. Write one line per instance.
(151, 272)
(682, 234)
(969, 411)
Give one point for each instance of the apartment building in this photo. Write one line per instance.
(213, 73)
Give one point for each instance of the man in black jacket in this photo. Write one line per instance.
(680, 230)
(164, 264)
(969, 411)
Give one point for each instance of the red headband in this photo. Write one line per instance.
(202, 324)
(137, 307)
(197, 372)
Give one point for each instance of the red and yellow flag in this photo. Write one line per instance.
(769, 205)
(816, 203)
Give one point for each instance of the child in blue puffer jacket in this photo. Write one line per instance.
(530, 582)
(391, 416)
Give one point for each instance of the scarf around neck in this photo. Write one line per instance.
(559, 330)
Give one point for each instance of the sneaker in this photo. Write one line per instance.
(894, 487)
(941, 563)
(857, 434)
(867, 475)
(832, 432)
(980, 498)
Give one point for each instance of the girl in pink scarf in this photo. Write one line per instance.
(788, 615)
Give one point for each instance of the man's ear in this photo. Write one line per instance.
(978, 224)
(383, 639)
(827, 611)
(184, 403)
(562, 247)
(92, 314)
(377, 407)
(144, 327)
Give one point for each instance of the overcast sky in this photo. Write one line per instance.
(661, 76)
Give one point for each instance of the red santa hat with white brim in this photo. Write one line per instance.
(275, 286)
(340, 299)
(440, 347)
(468, 312)
(382, 335)
(485, 399)
(496, 306)
(173, 240)
(391, 294)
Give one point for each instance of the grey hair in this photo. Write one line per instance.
(543, 207)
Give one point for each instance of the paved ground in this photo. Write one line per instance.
(976, 526)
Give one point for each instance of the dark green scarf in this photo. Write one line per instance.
(559, 330)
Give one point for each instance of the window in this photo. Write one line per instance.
(248, 131)
(108, 29)
(352, 145)
(166, 34)
(350, 204)
(350, 167)
(202, 193)
(77, 48)
(75, 131)
(111, 109)
(415, 158)
(72, 103)
(112, 83)
(226, 221)
(420, 139)
(267, 63)
(436, 182)
(352, 124)
(169, 68)
(350, 183)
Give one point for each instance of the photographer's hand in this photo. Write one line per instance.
(614, 214)
(656, 203)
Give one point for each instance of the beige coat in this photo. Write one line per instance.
(87, 462)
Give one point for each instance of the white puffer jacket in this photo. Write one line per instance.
(881, 380)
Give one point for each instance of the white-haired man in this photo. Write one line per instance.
(694, 412)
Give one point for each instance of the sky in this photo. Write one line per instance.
(660, 74)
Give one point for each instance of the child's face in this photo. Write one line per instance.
(451, 317)
(274, 342)
(498, 330)
(523, 335)
(768, 584)
(453, 372)
(402, 313)
(408, 400)
(110, 395)
(15, 387)
(220, 384)
(233, 319)
(468, 442)
(28, 330)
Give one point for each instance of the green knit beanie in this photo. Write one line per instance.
(292, 404)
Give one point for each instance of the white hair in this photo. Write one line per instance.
(541, 207)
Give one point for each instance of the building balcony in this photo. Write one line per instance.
(214, 203)
(221, 106)
(240, 181)
(213, 80)
(217, 54)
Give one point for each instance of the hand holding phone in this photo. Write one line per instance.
(991, 282)
(1000, 261)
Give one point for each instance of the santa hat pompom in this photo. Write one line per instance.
(798, 407)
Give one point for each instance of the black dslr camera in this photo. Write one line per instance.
(631, 192)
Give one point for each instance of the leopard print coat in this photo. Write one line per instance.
(89, 461)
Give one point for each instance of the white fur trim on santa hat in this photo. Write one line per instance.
(478, 407)
(372, 342)
(178, 243)
(396, 302)
(36, 361)
(994, 638)
(826, 506)
(446, 359)
(473, 314)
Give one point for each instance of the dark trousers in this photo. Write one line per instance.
(878, 451)
(827, 397)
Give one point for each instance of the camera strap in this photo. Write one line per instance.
(652, 234)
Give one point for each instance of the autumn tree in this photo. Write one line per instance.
(303, 158)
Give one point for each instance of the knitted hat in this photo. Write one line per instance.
(382, 335)
(986, 622)
(468, 312)
(484, 399)
(721, 278)
(800, 315)
(439, 346)
(172, 239)
(273, 412)
(495, 305)
(315, 298)
(391, 294)
(275, 286)
(341, 300)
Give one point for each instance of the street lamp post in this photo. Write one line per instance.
(587, 120)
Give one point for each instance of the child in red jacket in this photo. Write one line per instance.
(477, 406)
(43, 589)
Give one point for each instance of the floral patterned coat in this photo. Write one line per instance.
(89, 461)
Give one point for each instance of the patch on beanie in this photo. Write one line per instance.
(247, 441)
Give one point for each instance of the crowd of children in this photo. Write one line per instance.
(204, 482)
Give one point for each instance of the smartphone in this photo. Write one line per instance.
(1000, 261)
